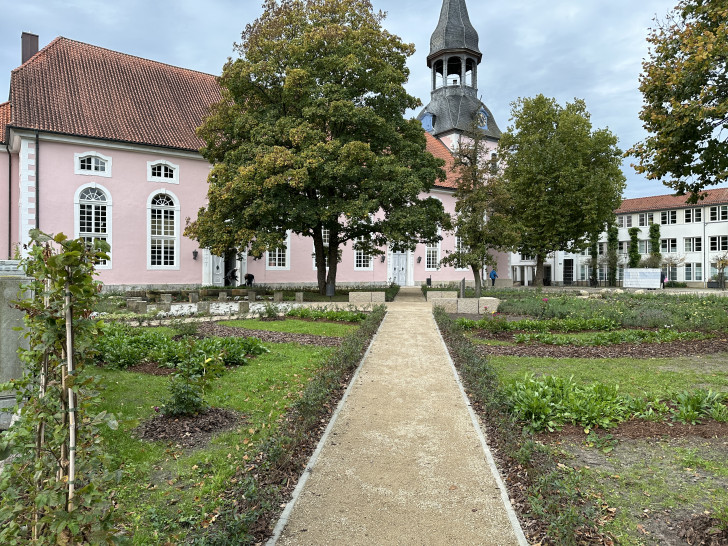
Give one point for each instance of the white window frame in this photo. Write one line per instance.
(176, 209)
(152, 178)
(644, 245)
(436, 249)
(718, 243)
(694, 272)
(719, 213)
(668, 246)
(362, 254)
(693, 244)
(458, 248)
(287, 265)
(694, 216)
(77, 216)
(670, 271)
(646, 219)
(326, 236)
(106, 173)
(668, 217)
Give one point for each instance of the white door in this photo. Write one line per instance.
(399, 268)
(218, 271)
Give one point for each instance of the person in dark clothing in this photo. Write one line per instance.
(493, 276)
(249, 278)
(231, 278)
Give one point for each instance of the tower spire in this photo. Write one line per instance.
(454, 31)
(453, 60)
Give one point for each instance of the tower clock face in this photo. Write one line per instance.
(482, 119)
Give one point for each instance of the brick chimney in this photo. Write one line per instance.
(30, 45)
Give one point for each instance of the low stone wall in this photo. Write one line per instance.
(468, 306)
(487, 306)
(366, 297)
(437, 294)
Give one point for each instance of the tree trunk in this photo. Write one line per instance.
(320, 252)
(333, 263)
(478, 280)
(538, 281)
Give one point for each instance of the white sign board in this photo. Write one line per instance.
(642, 278)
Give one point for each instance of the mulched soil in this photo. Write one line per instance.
(698, 530)
(188, 432)
(703, 531)
(219, 330)
(620, 350)
(636, 429)
(150, 368)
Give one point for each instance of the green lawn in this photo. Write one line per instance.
(295, 326)
(164, 491)
(655, 376)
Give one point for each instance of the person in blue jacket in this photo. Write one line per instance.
(493, 276)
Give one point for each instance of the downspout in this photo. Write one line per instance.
(37, 181)
(10, 200)
(706, 266)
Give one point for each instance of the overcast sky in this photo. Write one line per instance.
(589, 49)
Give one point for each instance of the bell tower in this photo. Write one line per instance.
(453, 60)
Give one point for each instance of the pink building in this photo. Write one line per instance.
(100, 144)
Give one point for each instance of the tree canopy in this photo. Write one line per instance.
(563, 178)
(685, 89)
(481, 224)
(310, 137)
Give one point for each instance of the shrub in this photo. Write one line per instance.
(188, 386)
(327, 314)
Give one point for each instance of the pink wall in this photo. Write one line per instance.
(129, 190)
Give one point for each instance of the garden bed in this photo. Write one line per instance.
(642, 481)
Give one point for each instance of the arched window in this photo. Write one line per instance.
(163, 231)
(92, 163)
(162, 171)
(454, 70)
(438, 75)
(93, 215)
(470, 73)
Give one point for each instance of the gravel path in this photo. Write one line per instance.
(404, 463)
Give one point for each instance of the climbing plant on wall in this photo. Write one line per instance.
(52, 491)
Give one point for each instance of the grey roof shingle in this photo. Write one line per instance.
(454, 30)
(457, 112)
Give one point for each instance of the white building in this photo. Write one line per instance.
(692, 238)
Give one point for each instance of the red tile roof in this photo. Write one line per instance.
(437, 148)
(4, 119)
(79, 89)
(663, 202)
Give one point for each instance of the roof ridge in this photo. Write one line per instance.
(59, 39)
(674, 194)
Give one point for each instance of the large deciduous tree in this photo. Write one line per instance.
(481, 222)
(310, 138)
(563, 177)
(685, 89)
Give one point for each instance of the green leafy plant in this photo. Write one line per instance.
(310, 313)
(53, 491)
(188, 386)
(270, 311)
(691, 406)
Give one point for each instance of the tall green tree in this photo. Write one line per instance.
(685, 88)
(564, 178)
(655, 259)
(481, 222)
(612, 254)
(310, 138)
(634, 249)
